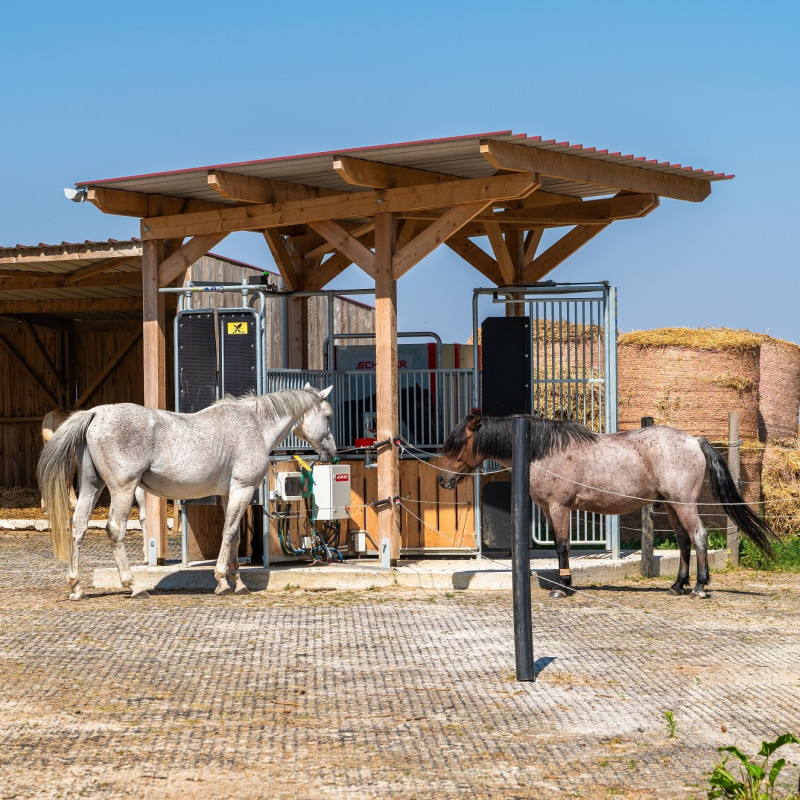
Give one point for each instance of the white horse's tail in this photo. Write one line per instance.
(55, 471)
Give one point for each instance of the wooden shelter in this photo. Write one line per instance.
(385, 208)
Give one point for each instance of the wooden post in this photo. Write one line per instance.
(647, 565)
(515, 243)
(154, 356)
(386, 381)
(734, 467)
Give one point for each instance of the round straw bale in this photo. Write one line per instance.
(690, 379)
(779, 389)
(781, 483)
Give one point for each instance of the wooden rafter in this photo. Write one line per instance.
(344, 206)
(87, 273)
(377, 175)
(292, 279)
(73, 252)
(437, 232)
(509, 156)
(357, 232)
(532, 239)
(325, 272)
(45, 355)
(562, 249)
(345, 243)
(176, 264)
(477, 257)
(249, 189)
(501, 254)
(32, 281)
(102, 304)
(137, 204)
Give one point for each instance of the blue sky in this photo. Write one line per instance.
(96, 90)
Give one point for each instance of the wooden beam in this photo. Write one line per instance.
(97, 304)
(347, 244)
(30, 281)
(186, 255)
(356, 232)
(249, 189)
(377, 175)
(78, 278)
(345, 206)
(46, 356)
(559, 251)
(138, 204)
(477, 257)
(320, 276)
(21, 363)
(435, 234)
(285, 263)
(73, 253)
(532, 239)
(501, 254)
(386, 382)
(509, 156)
(108, 369)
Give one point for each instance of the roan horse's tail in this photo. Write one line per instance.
(727, 494)
(55, 471)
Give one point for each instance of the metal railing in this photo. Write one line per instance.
(430, 403)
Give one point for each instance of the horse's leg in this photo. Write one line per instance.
(121, 502)
(558, 517)
(140, 496)
(89, 491)
(228, 560)
(689, 520)
(678, 522)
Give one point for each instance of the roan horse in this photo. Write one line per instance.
(222, 450)
(575, 468)
(51, 422)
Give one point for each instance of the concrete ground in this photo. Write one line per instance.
(384, 692)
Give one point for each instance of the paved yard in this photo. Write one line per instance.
(383, 693)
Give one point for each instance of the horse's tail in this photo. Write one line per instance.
(726, 493)
(55, 470)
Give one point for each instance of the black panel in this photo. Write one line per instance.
(238, 339)
(197, 364)
(496, 515)
(505, 366)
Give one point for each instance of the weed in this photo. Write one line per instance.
(756, 782)
(672, 723)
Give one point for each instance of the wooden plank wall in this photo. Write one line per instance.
(430, 517)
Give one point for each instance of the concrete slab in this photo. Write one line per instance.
(484, 574)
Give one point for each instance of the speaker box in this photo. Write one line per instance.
(505, 366)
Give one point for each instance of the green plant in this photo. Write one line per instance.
(671, 724)
(756, 782)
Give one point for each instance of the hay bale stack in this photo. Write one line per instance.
(779, 389)
(780, 479)
(690, 379)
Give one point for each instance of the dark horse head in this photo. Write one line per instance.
(459, 455)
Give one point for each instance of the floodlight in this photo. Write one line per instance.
(76, 195)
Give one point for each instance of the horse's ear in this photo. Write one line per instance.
(325, 392)
(307, 387)
(474, 423)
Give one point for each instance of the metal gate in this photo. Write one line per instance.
(573, 376)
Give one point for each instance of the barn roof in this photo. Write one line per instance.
(458, 156)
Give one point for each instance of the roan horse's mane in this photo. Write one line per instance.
(493, 436)
(294, 402)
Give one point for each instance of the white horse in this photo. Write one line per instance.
(222, 450)
(51, 422)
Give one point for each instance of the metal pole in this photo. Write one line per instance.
(734, 467)
(521, 549)
(647, 565)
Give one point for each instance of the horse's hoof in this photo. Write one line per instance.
(241, 590)
(675, 592)
(223, 591)
(76, 596)
(694, 594)
(143, 594)
(557, 594)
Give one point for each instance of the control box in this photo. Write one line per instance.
(331, 491)
(289, 486)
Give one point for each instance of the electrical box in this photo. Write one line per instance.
(289, 486)
(331, 491)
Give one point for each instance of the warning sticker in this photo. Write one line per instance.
(237, 327)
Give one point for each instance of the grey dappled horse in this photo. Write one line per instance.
(615, 473)
(222, 450)
(51, 422)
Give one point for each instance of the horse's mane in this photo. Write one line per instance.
(294, 402)
(493, 436)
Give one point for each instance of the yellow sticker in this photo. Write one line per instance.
(237, 327)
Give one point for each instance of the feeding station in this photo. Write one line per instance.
(384, 209)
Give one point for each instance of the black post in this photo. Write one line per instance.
(647, 566)
(521, 548)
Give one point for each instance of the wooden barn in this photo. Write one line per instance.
(488, 197)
